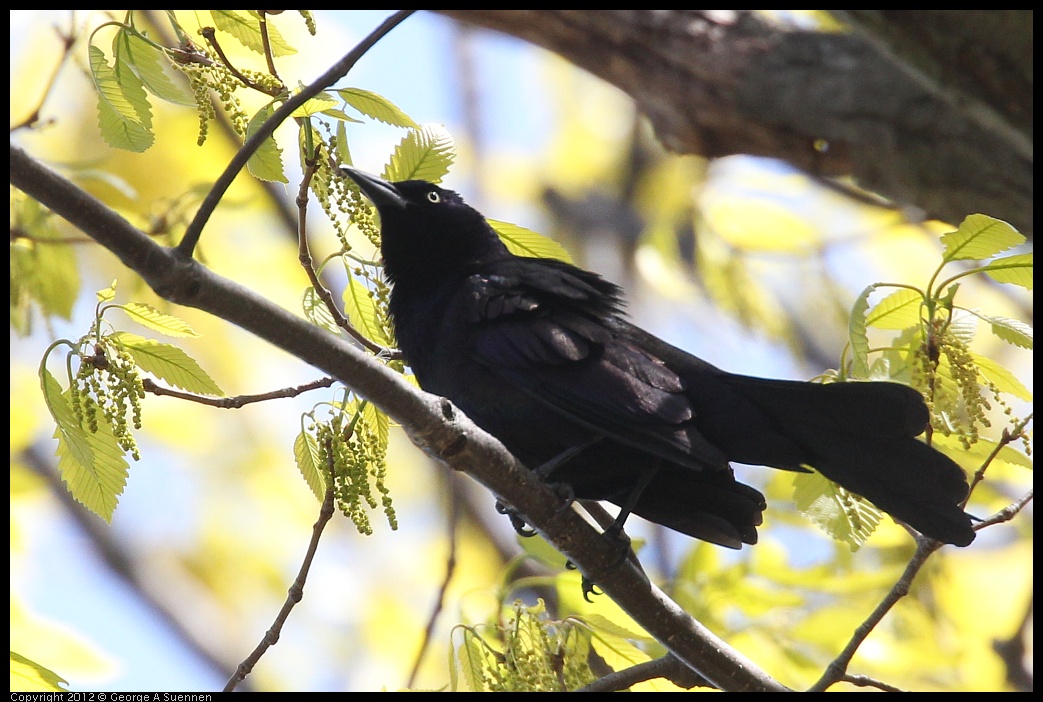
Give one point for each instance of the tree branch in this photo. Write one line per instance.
(717, 83)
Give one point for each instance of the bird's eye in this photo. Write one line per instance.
(434, 197)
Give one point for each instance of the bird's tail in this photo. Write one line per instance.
(862, 437)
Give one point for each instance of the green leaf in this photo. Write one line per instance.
(316, 105)
(43, 265)
(266, 162)
(310, 463)
(1013, 331)
(1001, 377)
(377, 106)
(980, 237)
(971, 459)
(107, 294)
(843, 515)
(29, 676)
(378, 422)
(149, 316)
(246, 28)
(168, 363)
(68, 427)
(1016, 270)
(98, 484)
(363, 312)
(525, 242)
(149, 63)
(899, 310)
(316, 312)
(423, 154)
(124, 115)
(858, 334)
(343, 153)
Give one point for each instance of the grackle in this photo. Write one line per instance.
(539, 353)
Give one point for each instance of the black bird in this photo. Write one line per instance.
(538, 353)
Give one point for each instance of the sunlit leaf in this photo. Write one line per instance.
(858, 334)
(316, 311)
(148, 63)
(266, 161)
(843, 515)
(1001, 377)
(168, 363)
(245, 27)
(68, 427)
(97, 484)
(980, 237)
(423, 154)
(29, 676)
(377, 106)
(525, 242)
(316, 105)
(310, 463)
(124, 115)
(899, 310)
(363, 312)
(107, 294)
(150, 317)
(1016, 270)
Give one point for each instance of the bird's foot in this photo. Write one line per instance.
(517, 521)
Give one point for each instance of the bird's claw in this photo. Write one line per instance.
(517, 521)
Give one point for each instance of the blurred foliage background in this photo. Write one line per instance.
(744, 262)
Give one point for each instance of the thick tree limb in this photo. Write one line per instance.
(717, 83)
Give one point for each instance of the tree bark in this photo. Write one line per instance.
(940, 126)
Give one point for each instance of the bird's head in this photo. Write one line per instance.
(425, 229)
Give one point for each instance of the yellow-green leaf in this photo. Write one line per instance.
(1001, 377)
(68, 427)
(108, 294)
(858, 335)
(316, 312)
(149, 316)
(124, 115)
(378, 422)
(377, 106)
(980, 237)
(1016, 270)
(525, 242)
(149, 63)
(423, 154)
(363, 312)
(899, 310)
(266, 162)
(316, 105)
(29, 676)
(843, 515)
(246, 28)
(310, 463)
(168, 363)
(99, 484)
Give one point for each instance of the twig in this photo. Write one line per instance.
(304, 256)
(68, 40)
(453, 519)
(296, 591)
(239, 400)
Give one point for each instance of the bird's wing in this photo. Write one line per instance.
(555, 332)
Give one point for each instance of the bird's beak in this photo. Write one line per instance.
(381, 192)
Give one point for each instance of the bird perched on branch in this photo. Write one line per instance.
(539, 353)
